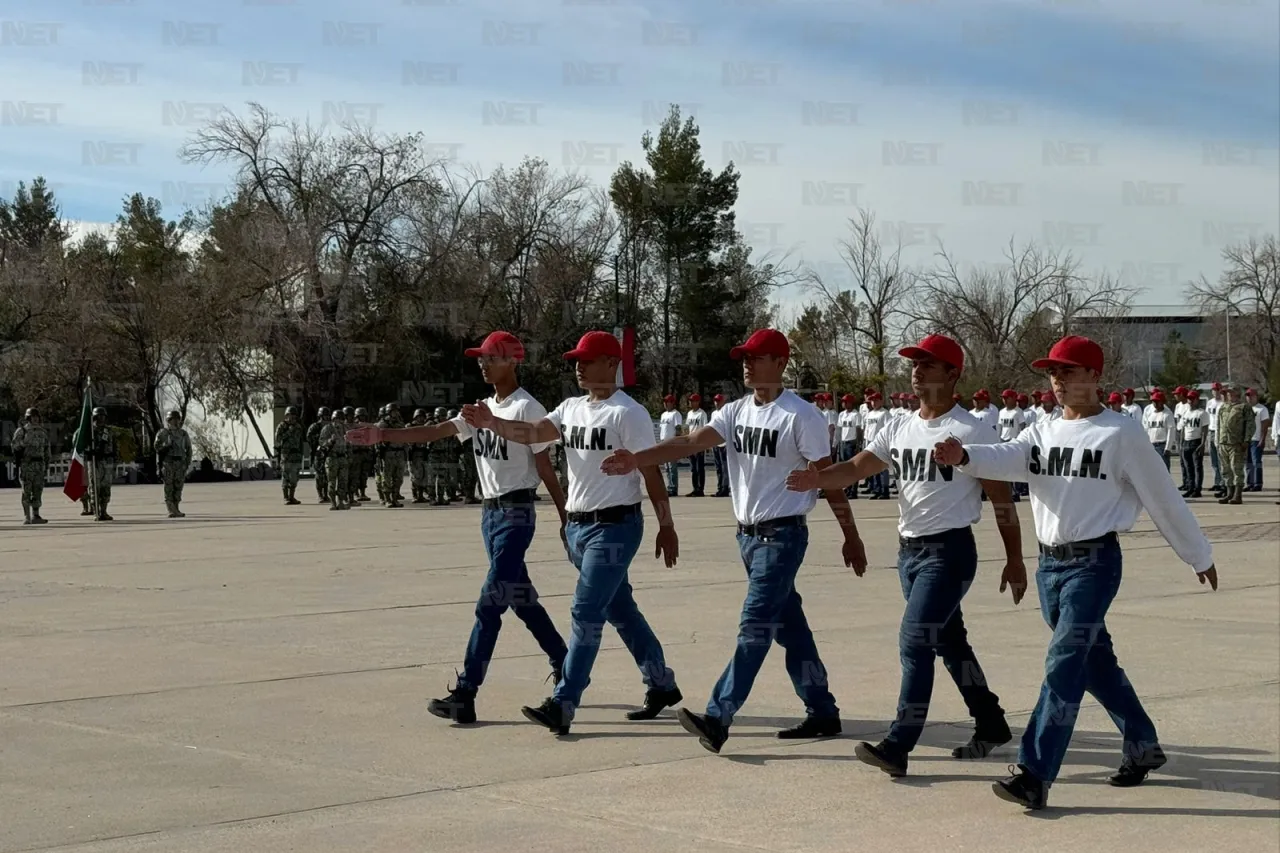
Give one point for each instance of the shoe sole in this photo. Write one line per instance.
(1147, 771)
(866, 756)
(448, 714)
(1008, 797)
(533, 718)
(687, 721)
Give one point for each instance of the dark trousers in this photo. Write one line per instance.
(698, 471)
(1253, 465)
(935, 574)
(507, 533)
(722, 471)
(1192, 465)
(1075, 595)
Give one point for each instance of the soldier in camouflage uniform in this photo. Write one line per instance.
(31, 453)
(333, 438)
(393, 457)
(443, 456)
(1235, 428)
(469, 478)
(318, 465)
(288, 450)
(173, 456)
(417, 459)
(104, 454)
(362, 462)
(379, 467)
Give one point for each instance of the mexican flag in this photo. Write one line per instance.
(77, 477)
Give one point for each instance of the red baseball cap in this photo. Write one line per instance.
(1037, 394)
(1217, 386)
(719, 398)
(695, 398)
(1047, 397)
(847, 398)
(1181, 389)
(1128, 392)
(500, 344)
(875, 395)
(981, 394)
(1193, 394)
(940, 347)
(1009, 392)
(1157, 396)
(1023, 398)
(763, 342)
(1072, 351)
(1115, 397)
(595, 345)
(670, 398)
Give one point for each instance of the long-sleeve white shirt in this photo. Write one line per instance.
(1093, 476)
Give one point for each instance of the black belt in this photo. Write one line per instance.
(518, 498)
(934, 539)
(1083, 548)
(608, 515)
(768, 528)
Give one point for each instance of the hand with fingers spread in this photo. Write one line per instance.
(949, 452)
(477, 415)
(803, 479)
(365, 436)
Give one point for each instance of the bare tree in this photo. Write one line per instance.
(1246, 297)
(868, 307)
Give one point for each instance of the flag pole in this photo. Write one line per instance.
(93, 462)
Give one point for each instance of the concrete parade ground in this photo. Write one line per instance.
(254, 678)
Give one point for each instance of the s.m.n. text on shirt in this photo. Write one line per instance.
(505, 466)
(1092, 476)
(591, 430)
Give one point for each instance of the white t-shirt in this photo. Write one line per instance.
(1211, 407)
(1260, 414)
(505, 466)
(590, 432)
(1275, 426)
(763, 444)
(989, 417)
(931, 497)
(1011, 422)
(1159, 425)
(1132, 411)
(1179, 411)
(872, 422)
(1092, 476)
(1194, 423)
(1043, 414)
(695, 420)
(849, 423)
(668, 426)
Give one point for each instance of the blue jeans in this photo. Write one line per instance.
(773, 611)
(1164, 454)
(849, 449)
(1192, 465)
(935, 575)
(507, 533)
(1074, 597)
(1253, 465)
(673, 478)
(880, 483)
(698, 471)
(603, 554)
(1214, 461)
(722, 470)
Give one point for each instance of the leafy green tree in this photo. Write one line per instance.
(1181, 367)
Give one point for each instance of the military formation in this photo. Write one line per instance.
(440, 473)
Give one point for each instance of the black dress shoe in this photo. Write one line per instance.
(884, 756)
(811, 727)
(1133, 772)
(986, 738)
(550, 714)
(656, 700)
(1022, 788)
(711, 733)
(459, 706)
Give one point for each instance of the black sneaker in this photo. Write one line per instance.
(1022, 788)
(1134, 772)
(884, 756)
(811, 727)
(711, 733)
(459, 706)
(550, 714)
(656, 700)
(985, 740)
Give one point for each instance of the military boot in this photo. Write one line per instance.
(1237, 496)
(26, 512)
(102, 515)
(173, 509)
(177, 511)
(37, 518)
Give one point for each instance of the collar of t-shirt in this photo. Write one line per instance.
(591, 430)
(932, 498)
(502, 466)
(765, 443)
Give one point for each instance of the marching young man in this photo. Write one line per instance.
(767, 435)
(509, 475)
(605, 525)
(1092, 474)
(937, 556)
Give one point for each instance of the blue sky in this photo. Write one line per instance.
(1139, 134)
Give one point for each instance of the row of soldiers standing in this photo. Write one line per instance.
(439, 473)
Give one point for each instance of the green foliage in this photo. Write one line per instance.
(1181, 367)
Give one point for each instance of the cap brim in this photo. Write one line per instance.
(473, 353)
(1046, 363)
(574, 355)
(739, 352)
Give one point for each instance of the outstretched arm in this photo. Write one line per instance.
(671, 450)
(521, 432)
